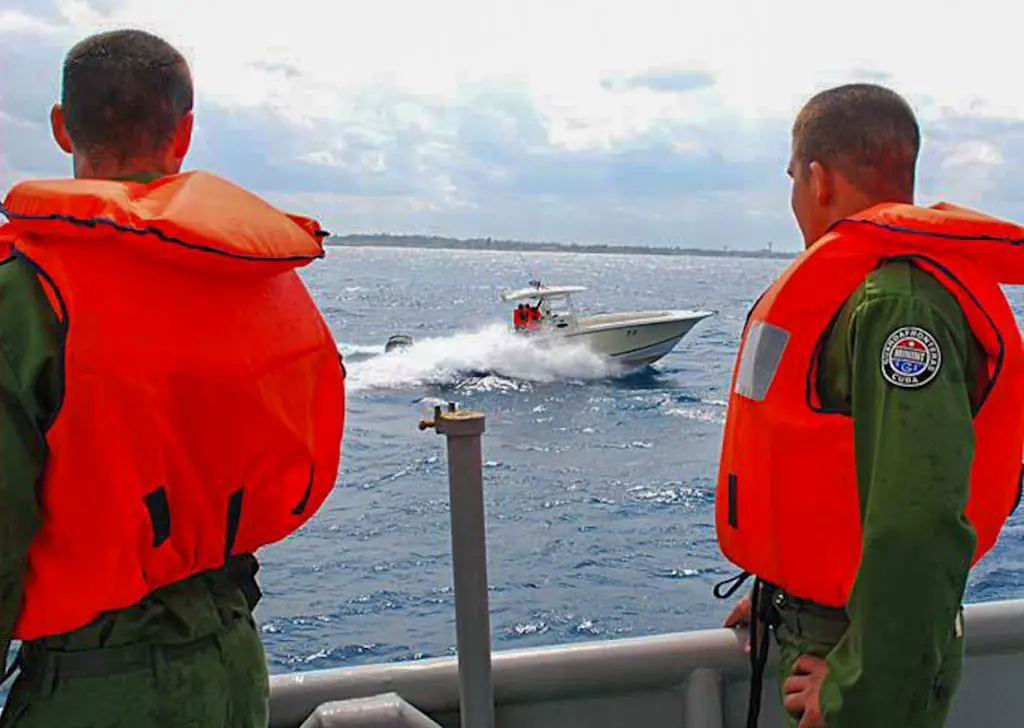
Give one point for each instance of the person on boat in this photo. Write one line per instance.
(533, 317)
(519, 317)
(872, 448)
(171, 399)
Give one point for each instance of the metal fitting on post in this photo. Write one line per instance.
(455, 422)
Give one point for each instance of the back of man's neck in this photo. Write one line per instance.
(140, 171)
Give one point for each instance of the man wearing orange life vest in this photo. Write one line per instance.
(873, 445)
(533, 317)
(519, 318)
(171, 400)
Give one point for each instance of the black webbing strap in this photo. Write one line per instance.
(762, 611)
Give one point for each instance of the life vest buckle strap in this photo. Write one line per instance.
(762, 613)
(725, 589)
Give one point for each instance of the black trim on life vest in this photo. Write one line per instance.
(234, 519)
(1020, 490)
(159, 515)
(94, 221)
(999, 335)
(746, 321)
(952, 277)
(819, 349)
(814, 370)
(927, 233)
(64, 324)
(297, 511)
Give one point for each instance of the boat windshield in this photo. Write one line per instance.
(557, 310)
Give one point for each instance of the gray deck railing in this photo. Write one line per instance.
(683, 680)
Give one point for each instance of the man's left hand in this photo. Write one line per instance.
(802, 691)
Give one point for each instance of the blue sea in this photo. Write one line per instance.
(599, 486)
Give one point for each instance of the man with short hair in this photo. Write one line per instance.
(872, 450)
(171, 400)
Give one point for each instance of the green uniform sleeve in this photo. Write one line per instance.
(914, 446)
(29, 338)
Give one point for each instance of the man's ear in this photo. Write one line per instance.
(822, 186)
(59, 128)
(183, 137)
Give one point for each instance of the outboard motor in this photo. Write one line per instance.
(397, 341)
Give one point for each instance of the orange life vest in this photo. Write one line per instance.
(203, 404)
(787, 507)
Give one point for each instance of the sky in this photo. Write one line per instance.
(649, 122)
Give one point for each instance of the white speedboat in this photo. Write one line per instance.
(632, 339)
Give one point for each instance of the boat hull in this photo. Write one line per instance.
(633, 340)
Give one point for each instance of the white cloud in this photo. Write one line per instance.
(638, 120)
(973, 153)
(16, 21)
(765, 57)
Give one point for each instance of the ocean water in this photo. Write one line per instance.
(599, 486)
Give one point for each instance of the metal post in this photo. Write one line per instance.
(463, 429)
(703, 699)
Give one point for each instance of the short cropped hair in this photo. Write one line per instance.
(867, 132)
(123, 93)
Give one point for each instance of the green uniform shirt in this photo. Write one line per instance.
(914, 447)
(30, 382)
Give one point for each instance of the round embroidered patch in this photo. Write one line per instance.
(911, 357)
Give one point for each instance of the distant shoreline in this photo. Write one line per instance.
(436, 243)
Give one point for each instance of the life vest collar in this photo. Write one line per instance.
(991, 243)
(194, 211)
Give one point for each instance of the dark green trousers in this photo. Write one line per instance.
(218, 681)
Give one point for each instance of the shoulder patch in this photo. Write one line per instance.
(911, 357)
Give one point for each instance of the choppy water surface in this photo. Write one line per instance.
(599, 486)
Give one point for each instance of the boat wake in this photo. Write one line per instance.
(493, 356)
